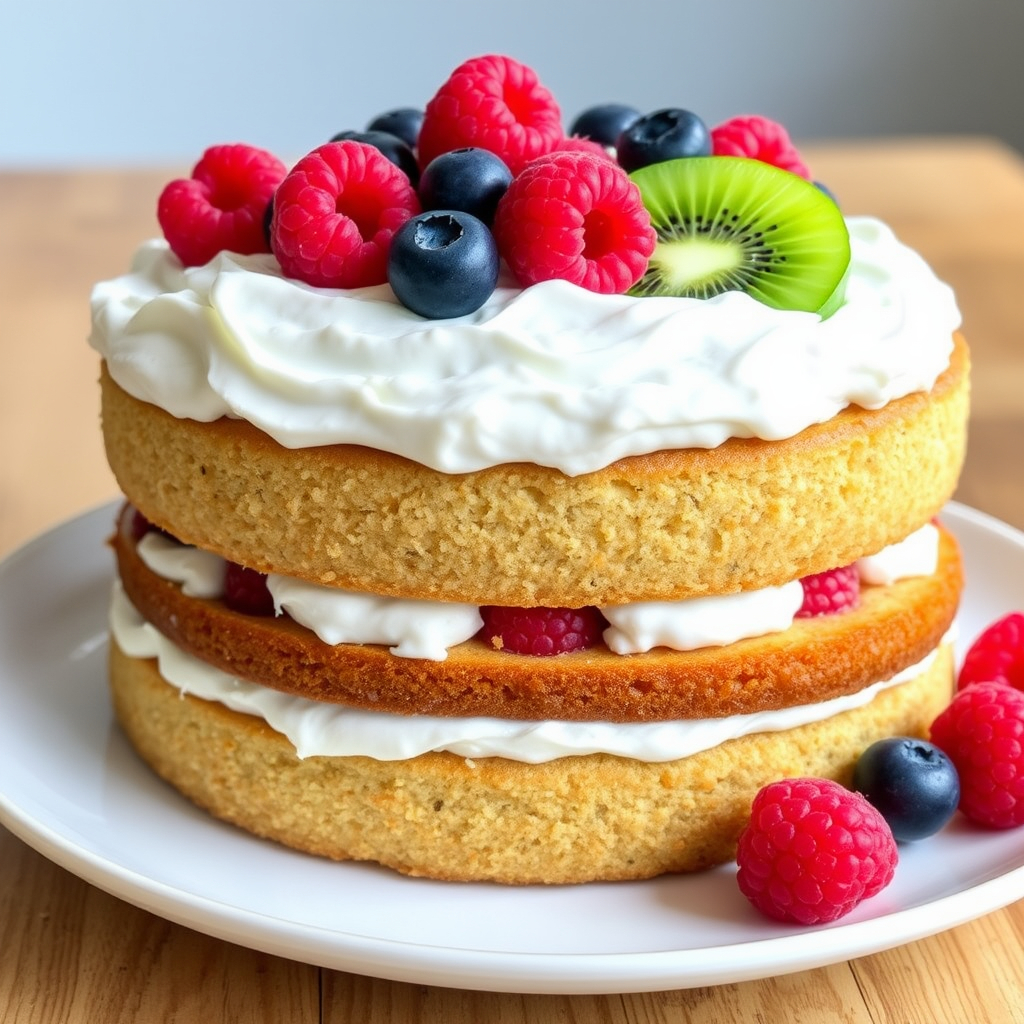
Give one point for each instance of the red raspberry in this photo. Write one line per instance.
(494, 103)
(982, 731)
(575, 217)
(221, 206)
(336, 212)
(245, 590)
(997, 655)
(541, 631)
(812, 851)
(759, 138)
(828, 593)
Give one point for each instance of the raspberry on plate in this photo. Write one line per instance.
(759, 138)
(982, 731)
(495, 103)
(221, 207)
(541, 631)
(829, 593)
(578, 218)
(997, 655)
(335, 214)
(813, 851)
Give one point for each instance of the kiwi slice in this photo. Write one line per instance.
(736, 224)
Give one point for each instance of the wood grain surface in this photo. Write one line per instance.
(71, 953)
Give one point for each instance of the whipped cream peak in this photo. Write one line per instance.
(551, 374)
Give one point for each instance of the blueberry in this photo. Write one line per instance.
(911, 783)
(400, 154)
(664, 135)
(405, 122)
(604, 123)
(443, 263)
(468, 179)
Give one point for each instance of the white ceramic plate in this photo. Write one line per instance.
(71, 787)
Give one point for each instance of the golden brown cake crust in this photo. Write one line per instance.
(674, 524)
(816, 659)
(576, 819)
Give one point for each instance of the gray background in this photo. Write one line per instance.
(138, 81)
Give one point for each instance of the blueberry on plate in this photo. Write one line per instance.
(663, 135)
(604, 123)
(400, 154)
(912, 784)
(443, 263)
(468, 179)
(405, 122)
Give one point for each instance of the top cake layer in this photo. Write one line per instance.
(551, 375)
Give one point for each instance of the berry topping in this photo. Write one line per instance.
(604, 123)
(911, 783)
(443, 264)
(575, 217)
(664, 135)
(404, 122)
(336, 212)
(828, 593)
(541, 631)
(397, 150)
(496, 103)
(759, 138)
(813, 851)
(982, 730)
(220, 208)
(245, 590)
(469, 179)
(997, 655)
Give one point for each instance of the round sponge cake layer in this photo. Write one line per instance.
(438, 815)
(675, 524)
(815, 659)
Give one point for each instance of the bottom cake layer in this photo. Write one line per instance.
(439, 815)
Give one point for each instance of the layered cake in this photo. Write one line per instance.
(540, 591)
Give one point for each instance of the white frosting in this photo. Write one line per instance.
(701, 621)
(918, 555)
(416, 629)
(551, 374)
(426, 629)
(318, 729)
(200, 573)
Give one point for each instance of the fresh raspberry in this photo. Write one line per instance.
(336, 212)
(759, 138)
(221, 206)
(245, 590)
(579, 144)
(575, 217)
(812, 851)
(494, 103)
(982, 731)
(541, 631)
(997, 655)
(828, 593)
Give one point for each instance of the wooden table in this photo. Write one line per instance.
(69, 952)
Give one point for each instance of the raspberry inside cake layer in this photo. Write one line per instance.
(746, 515)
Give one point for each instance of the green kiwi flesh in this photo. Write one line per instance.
(736, 224)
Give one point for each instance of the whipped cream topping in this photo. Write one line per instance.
(551, 374)
(318, 729)
(426, 629)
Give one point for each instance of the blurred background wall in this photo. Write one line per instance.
(150, 81)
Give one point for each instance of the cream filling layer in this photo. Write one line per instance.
(317, 729)
(426, 629)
